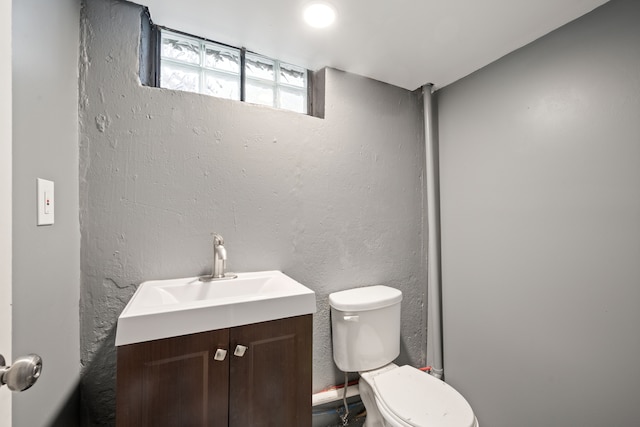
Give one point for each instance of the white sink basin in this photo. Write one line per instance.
(169, 308)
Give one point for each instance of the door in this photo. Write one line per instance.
(271, 373)
(5, 197)
(179, 381)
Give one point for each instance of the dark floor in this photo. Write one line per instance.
(329, 415)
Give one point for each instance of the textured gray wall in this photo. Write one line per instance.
(334, 203)
(540, 163)
(46, 260)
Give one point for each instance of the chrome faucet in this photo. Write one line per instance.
(219, 257)
(219, 261)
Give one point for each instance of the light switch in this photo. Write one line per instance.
(45, 202)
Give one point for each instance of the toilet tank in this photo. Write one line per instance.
(365, 326)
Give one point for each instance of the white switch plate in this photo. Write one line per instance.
(45, 202)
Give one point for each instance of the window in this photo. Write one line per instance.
(196, 65)
(274, 83)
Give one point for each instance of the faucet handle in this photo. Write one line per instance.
(218, 238)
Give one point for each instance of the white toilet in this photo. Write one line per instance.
(366, 339)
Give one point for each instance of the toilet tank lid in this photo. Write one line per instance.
(365, 298)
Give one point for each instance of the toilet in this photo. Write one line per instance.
(365, 326)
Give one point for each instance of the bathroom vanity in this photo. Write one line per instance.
(242, 372)
(180, 382)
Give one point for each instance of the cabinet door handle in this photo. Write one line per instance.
(240, 350)
(220, 355)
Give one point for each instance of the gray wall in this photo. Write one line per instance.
(540, 164)
(46, 260)
(5, 194)
(334, 203)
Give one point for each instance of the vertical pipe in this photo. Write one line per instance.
(434, 310)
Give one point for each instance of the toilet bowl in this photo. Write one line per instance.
(403, 396)
(366, 339)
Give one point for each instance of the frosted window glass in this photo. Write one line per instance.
(222, 85)
(292, 75)
(196, 65)
(222, 58)
(181, 49)
(293, 99)
(260, 93)
(179, 77)
(259, 67)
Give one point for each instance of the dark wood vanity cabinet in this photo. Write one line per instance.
(176, 382)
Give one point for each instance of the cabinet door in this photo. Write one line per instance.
(173, 382)
(271, 383)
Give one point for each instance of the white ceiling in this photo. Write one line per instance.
(406, 43)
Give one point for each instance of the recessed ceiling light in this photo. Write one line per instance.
(319, 15)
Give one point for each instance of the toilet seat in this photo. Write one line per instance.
(407, 397)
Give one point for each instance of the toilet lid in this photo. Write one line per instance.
(420, 399)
